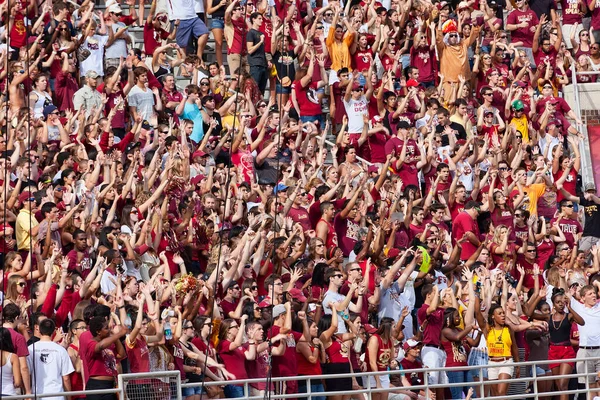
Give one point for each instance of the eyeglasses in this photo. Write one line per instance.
(236, 288)
(188, 327)
(503, 37)
(278, 284)
(355, 269)
(21, 284)
(328, 14)
(518, 215)
(487, 94)
(453, 35)
(532, 251)
(503, 169)
(320, 27)
(80, 328)
(595, 47)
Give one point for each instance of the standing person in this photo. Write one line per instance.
(454, 54)
(143, 101)
(98, 357)
(589, 334)
(50, 363)
(465, 225)
(522, 22)
(502, 348)
(235, 35)
(10, 313)
(431, 320)
(233, 355)
(118, 38)
(216, 9)
(9, 365)
(76, 328)
(343, 304)
(88, 96)
(189, 25)
(591, 209)
(257, 58)
(380, 352)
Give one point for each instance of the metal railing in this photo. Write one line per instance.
(587, 172)
(173, 378)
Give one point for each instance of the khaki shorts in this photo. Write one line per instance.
(500, 367)
(592, 366)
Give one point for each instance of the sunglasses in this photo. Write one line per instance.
(254, 287)
(320, 27)
(328, 14)
(338, 276)
(453, 35)
(204, 84)
(568, 205)
(532, 251)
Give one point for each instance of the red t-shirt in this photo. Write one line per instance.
(462, 224)
(103, 363)
(307, 99)
(569, 184)
(238, 46)
(570, 228)
(300, 215)
(423, 58)
(234, 360)
(571, 12)
(138, 355)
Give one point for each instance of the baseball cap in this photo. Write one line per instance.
(356, 86)
(199, 153)
(146, 125)
(115, 9)
(49, 109)
(132, 146)
(553, 100)
(196, 179)
(91, 74)
(555, 122)
(373, 169)
(411, 344)
(412, 83)
(278, 310)
(297, 295)
(403, 125)
(280, 187)
(589, 187)
(518, 105)
(25, 196)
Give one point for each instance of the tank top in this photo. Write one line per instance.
(192, 377)
(337, 352)
(43, 100)
(456, 354)
(384, 355)
(332, 239)
(499, 343)
(560, 332)
(304, 366)
(7, 378)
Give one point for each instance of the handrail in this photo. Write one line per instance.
(122, 378)
(357, 157)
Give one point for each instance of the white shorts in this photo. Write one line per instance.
(385, 381)
(500, 367)
(433, 357)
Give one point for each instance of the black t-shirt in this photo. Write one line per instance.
(284, 63)
(591, 211)
(540, 7)
(460, 132)
(258, 58)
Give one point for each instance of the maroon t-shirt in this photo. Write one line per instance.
(138, 355)
(524, 35)
(347, 233)
(228, 307)
(571, 12)
(285, 365)
(423, 58)
(103, 363)
(377, 144)
(435, 321)
(153, 37)
(301, 216)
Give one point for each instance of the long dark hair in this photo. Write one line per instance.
(6, 343)
(385, 328)
(448, 320)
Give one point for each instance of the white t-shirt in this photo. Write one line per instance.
(52, 362)
(106, 284)
(95, 62)
(355, 109)
(183, 9)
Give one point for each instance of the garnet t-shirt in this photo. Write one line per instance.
(234, 360)
(307, 98)
(524, 35)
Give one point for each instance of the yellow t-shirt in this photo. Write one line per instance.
(25, 223)
(534, 192)
(522, 126)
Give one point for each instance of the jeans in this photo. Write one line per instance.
(232, 391)
(314, 388)
(259, 74)
(458, 377)
(313, 118)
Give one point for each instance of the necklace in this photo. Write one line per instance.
(499, 338)
(559, 322)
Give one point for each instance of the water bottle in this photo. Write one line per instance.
(168, 333)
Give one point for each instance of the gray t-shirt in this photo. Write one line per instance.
(258, 58)
(142, 100)
(391, 303)
(119, 46)
(333, 297)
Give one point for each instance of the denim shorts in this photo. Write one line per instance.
(190, 391)
(282, 89)
(217, 23)
(477, 358)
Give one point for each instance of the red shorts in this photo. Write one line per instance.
(560, 353)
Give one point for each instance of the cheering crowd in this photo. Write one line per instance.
(355, 186)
